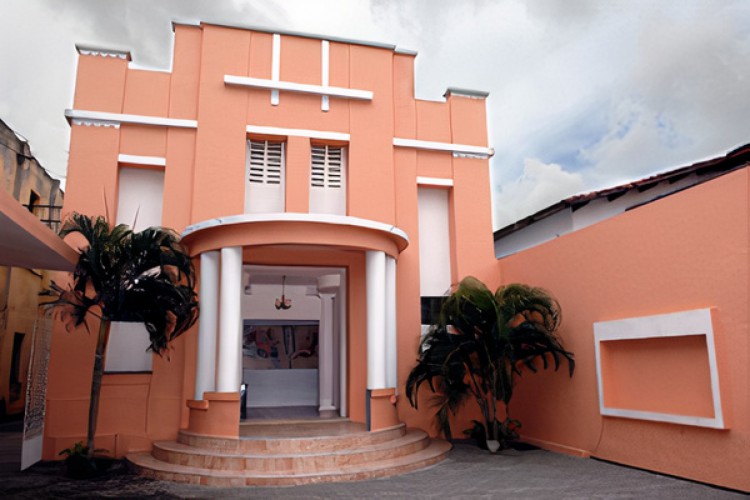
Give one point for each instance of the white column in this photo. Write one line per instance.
(342, 306)
(229, 369)
(328, 285)
(391, 348)
(376, 364)
(325, 354)
(205, 367)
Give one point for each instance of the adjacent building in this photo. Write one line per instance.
(26, 187)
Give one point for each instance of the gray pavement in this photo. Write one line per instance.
(467, 473)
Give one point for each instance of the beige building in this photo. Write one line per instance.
(26, 181)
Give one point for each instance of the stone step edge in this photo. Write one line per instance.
(335, 437)
(412, 436)
(313, 438)
(437, 449)
(270, 422)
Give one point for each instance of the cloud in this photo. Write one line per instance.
(542, 184)
(609, 91)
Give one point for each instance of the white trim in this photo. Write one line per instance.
(153, 69)
(154, 161)
(102, 52)
(324, 72)
(434, 181)
(303, 88)
(341, 220)
(100, 116)
(95, 123)
(463, 149)
(298, 132)
(275, 66)
(679, 324)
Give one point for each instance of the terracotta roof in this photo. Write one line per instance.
(705, 170)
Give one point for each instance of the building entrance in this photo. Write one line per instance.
(292, 342)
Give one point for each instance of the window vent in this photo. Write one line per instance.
(266, 162)
(327, 167)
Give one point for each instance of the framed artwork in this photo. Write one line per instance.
(279, 345)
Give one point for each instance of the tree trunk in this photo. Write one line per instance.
(96, 383)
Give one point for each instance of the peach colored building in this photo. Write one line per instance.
(653, 279)
(320, 200)
(324, 206)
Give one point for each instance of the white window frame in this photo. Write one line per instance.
(264, 184)
(678, 324)
(328, 181)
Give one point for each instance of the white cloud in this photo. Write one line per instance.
(541, 185)
(610, 90)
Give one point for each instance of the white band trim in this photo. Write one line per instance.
(341, 220)
(434, 181)
(298, 132)
(480, 151)
(154, 161)
(303, 88)
(100, 116)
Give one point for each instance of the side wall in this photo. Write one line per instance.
(686, 251)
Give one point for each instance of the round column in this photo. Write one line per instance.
(208, 294)
(229, 369)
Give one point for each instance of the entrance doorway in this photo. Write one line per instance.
(294, 341)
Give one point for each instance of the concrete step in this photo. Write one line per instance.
(148, 465)
(294, 438)
(311, 455)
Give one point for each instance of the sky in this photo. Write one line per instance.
(584, 94)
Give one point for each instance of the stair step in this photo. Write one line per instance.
(294, 438)
(279, 461)
(149, 466)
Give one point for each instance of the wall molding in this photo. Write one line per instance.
(342, 220)
(302, 88)
(298, 132)
(152, 161)
(102, 52)
(79, 116)
(434, 181)
(467, 150)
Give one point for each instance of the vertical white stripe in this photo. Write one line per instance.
(324, 72)
(275, 67)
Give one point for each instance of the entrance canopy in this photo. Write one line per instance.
(295, 229)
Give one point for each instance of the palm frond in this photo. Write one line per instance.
(480, 344)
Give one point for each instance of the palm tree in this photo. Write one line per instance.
(122, 275)
(479, 345)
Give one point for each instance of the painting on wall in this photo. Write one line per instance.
(272, 345)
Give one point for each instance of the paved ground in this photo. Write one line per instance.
(467, 473)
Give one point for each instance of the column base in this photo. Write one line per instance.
(217, 414)
(381, 409)
(328, 412)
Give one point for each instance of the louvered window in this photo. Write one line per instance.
(264, 187)
(327, 166)
(266, 162)
(328, 179)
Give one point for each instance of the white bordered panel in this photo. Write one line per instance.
(693, 326)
